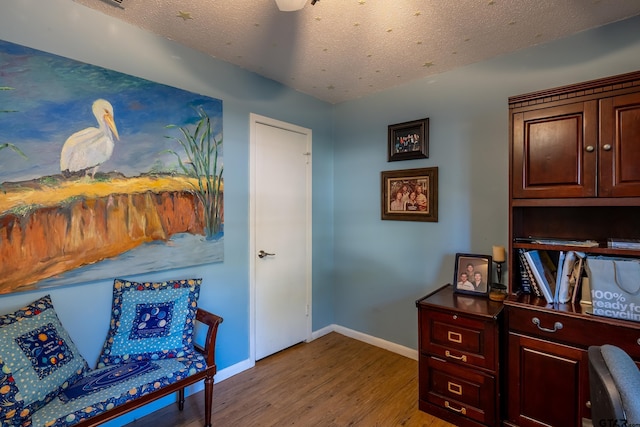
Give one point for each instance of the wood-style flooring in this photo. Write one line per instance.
(333, 381)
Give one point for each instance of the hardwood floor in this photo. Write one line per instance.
(331, 381)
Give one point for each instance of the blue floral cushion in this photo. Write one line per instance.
(151, 320)
(111, 386)
(37, 360)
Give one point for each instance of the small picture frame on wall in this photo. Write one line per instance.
(409, 140)
(410, 195)
(472, 274)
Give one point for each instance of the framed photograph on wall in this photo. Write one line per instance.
(472, 274)
(410, 195)
(409, 140)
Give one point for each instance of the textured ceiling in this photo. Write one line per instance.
(337, 50)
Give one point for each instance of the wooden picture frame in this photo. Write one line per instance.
(408, 140)
(477, 266)
(418, 200)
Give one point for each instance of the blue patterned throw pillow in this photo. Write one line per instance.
(100, 379)
(37, 360)
(151, 320)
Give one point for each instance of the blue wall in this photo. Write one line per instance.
(367, 272)
(382, 267)
(68, 29)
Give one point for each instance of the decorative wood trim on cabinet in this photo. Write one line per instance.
(591, 89)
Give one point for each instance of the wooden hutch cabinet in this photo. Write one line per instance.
(576, 146)
(459, 358)
(575, 175)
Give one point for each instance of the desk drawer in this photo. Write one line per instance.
(579, 332)
(463, 391)
(460, 339)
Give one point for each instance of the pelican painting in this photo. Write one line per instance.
(90, 147)
(77, 204)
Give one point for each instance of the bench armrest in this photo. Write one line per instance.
(211, 321)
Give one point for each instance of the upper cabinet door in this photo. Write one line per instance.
(619, 148)
(555, 151)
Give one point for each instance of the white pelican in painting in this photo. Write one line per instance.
(90, 147)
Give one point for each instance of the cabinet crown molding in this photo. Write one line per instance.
(596, 87)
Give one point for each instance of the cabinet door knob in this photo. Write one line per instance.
(556, 326)
(590, 148)
(606, 147)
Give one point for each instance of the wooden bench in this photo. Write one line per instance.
(211, 322)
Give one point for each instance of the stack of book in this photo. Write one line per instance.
(623, 243)
(556, 281)
(558, 242)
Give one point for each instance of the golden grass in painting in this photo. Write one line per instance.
(51, 226)
(17, 197)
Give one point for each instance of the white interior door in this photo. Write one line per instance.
(281, 234)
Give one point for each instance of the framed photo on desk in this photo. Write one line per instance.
(472, 274)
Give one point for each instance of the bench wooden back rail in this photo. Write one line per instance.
(211, 322)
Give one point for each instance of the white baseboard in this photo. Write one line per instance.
(232, 370)
(322, 332)
(378, 342)
(369, 339)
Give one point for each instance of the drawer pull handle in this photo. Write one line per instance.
(448, 354)
(556, 326)
(454, 388)
(454, 337)
(462, 410)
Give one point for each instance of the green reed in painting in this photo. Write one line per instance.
(7, 144)
(201, 148)
(13, 147)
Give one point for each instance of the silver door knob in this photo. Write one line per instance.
(263, 254)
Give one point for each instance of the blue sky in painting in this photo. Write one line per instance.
(51, 98)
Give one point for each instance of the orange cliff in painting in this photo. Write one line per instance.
(49, 230)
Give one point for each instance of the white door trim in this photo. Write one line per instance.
(255, 119)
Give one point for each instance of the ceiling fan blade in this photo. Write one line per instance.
(290, 5)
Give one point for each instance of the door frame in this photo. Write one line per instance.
(254, 120)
